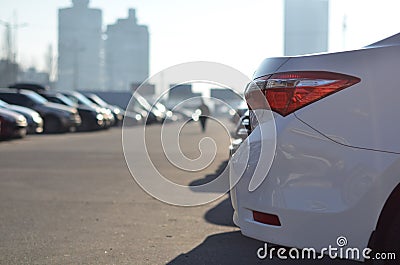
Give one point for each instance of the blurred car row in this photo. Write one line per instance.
(242, 128)
(31, 108)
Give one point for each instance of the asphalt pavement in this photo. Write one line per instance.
(71, 199)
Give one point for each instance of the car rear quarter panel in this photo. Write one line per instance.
(319, 189)
(364, 115)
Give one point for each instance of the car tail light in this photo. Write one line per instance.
(265, 218)
(289, 91)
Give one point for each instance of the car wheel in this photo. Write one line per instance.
(52, 125)
(387, 242)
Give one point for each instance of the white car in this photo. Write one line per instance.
(334, 171)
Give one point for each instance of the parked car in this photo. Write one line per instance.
(57, 118)
(33, 118)
(141, 105)
(84, 102)
(132, 118)
(241, 132)
(335, 172)
(165, 113)
(240, 111)
(92, 118)
(12, 124)
(116, 111)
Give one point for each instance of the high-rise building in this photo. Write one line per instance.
(146, 89)
(180, 92)
(31, 75)
(79, 46)
(182, 95)
(8, 72)
(126, 53)
(306, 26)
(225, 94)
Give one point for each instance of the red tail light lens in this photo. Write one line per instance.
(290, 91)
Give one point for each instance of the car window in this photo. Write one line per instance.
(17, 99)
(83, 100)
(67, 101)
(3, 104)
(55, 100)
(98, 100)
(38, 99)
(72, 98)
(61, 99)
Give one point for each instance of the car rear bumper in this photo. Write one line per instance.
(320, 190)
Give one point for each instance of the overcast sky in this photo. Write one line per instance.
(233, 32)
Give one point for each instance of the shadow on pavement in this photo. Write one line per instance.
(225, 248)
(221, 214)
(234, 248)
(210, 177)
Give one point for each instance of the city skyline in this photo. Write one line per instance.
(126, 51)
(90, 57)
(205, 30)
(79, 46)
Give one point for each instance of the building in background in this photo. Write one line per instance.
(146, 90)
(180, 92)
(224, 99)
(126, 53)
(8, 72)
(31, 75)
(225, 94)
(79, 47)
(182, 95)
(306, 26)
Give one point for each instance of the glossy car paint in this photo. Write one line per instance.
(67, 116)
(336, 161)
(35, 121)
(90, 118)
(12, 124)
(83, 102)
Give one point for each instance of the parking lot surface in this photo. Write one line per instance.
(70, 199)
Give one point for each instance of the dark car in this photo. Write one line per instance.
(92, 119)
(136, 108)
(133, 118)
(240, 111)
(35, 121)
(57, 118)
(116, 111)
(241, 132)
(12, 124)
(243, 126)
(83, 101)
(161, 110)
(141, 105)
